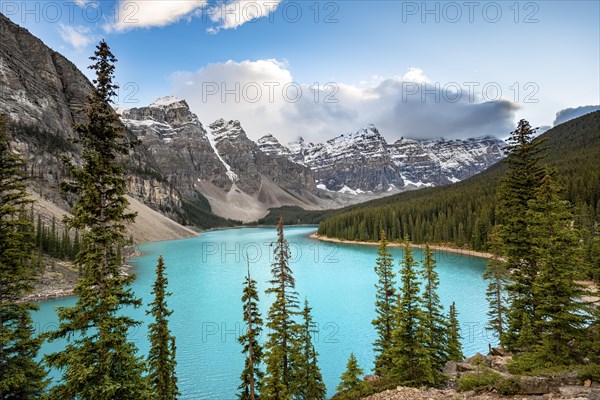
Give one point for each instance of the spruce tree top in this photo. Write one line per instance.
(350, 379)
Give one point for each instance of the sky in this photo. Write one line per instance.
(318, 69)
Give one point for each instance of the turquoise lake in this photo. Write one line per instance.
(206, 276)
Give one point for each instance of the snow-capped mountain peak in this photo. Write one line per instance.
(167, 101)
(166, 118)
(268, 144)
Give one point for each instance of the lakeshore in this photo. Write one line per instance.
(442, 248)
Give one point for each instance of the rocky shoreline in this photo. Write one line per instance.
(60, 278)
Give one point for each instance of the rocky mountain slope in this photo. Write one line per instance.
(220, 164)
(363, 161)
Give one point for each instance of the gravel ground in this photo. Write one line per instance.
(406, 393)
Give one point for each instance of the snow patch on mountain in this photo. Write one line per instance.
(347, 190)
(418, 184)
(230, 174)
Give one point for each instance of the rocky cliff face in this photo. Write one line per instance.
(38, 86)
(350, 163)
(44, 95)
(222, 164)
(440, 162)
(251, 165)
(178, 143)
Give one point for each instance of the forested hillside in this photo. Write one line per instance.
(463, 213)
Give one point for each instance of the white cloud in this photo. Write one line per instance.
(571, 113)
(152, 13)
(77, 36)
(415, 75)
(238, 12)
(85, 3)
(263, 96)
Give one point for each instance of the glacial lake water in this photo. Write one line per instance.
(206, 274)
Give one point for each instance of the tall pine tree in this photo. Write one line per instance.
(282, 345)
(497, 277)
(21, 377)
(161, 357)
(385, 306)
(434, 323)
(560, 314)
(309, 381)
(251, 375)
(99, 362)
(517, 188)
(454, 349)
(413, 362)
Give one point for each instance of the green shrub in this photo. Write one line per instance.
(508, 386)
(355, 393)
(484, 380)
(591, 372)
(367, 389)
(478, 360)
(382, 385)
(525, 364)
(533, 365)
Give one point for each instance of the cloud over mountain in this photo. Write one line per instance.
(571, 113)
(264, 94)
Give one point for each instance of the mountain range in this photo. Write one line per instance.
(213, 174)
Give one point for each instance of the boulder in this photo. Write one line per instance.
(499, 363)
(535, 385)
(498, 351)
(372, 378)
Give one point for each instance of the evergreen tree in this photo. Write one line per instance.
(99, 362)
(517, 188)
(593, 341)
(282, 344)
(309, 381)
(21, 377)
(273, 386)
(434, 323)
(497, 277)
(385, 302)
(594, 258)
(412, 361)
(454, 349)
(350, 379)
(161, 357)
(560, 315)
(251, 375)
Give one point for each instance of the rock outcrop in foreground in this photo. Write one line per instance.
(559, 385)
